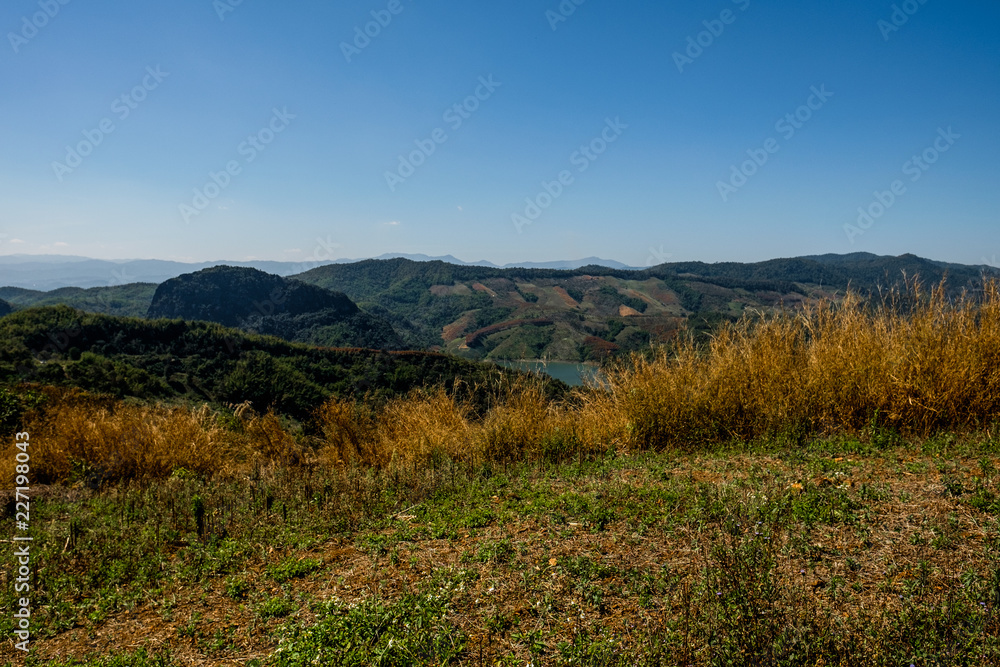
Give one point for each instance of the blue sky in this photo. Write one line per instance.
(661, 119)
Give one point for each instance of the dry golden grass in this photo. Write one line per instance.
(81, 438)
(407, 429)
(916, 363)
(125, 442)
(262, 439)
(424, 424)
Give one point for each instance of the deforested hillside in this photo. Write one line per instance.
(594, 312)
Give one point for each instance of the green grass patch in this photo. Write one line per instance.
(413, 630)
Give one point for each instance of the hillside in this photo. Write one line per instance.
(593, 311)
(5, 308)
(130, 300)
(262, 303)
(202, 361)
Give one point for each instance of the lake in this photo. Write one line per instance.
(570, 373)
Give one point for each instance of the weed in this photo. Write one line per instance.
(237, 588)
(413, 630)
(275, 607)
(293, 568)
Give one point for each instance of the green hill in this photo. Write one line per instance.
(130, 300)
(262, 303)
(206, 362)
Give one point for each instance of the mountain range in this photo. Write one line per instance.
(499, 313)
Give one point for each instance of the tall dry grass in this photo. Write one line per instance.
(407, 428)
(424, 424)
(917, 362)
(125, 442)
(97, 441)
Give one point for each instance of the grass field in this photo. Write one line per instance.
(810, 489)
(839, 553)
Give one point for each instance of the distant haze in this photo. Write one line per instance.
(48, 272)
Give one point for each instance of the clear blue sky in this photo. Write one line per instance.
(930, 87)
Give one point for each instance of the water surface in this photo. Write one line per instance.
(572, 374)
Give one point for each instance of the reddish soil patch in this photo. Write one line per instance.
(625, 311)
(564, 295)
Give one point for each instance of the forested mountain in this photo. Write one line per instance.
(864, 271)
(203, 361)
(5, 308)
(258, 302)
